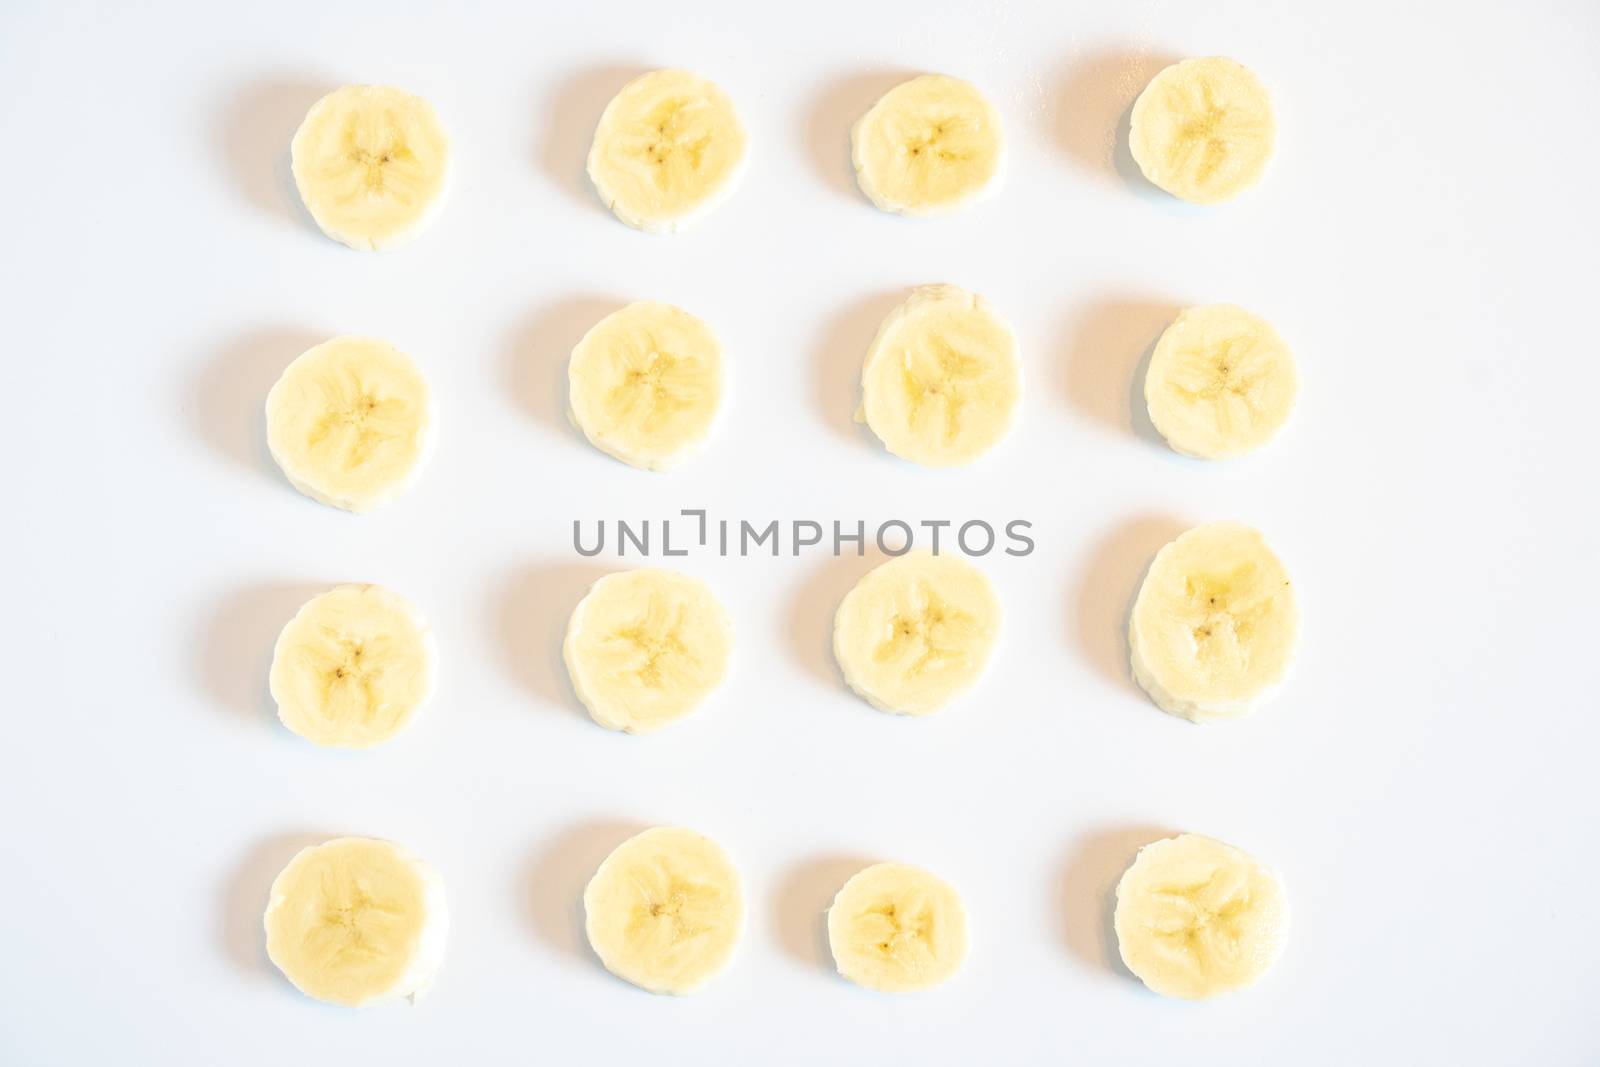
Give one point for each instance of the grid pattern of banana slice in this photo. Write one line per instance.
(358, 921)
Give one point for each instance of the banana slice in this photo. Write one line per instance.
(351, 422)
(1196, 918)
(355, 921)
(897, 929)
(372, 164)
(1213, 632)
(665, 910)
(645, 384)
(1221, 382)
(941, 380)
(353, 667)
(1203, 130)
(645, 648)
(669, 149)
(916, 631)
(929, 146)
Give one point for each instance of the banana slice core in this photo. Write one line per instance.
(372, 164)
(931, 145)
(669, 148)
(1214, 630)
(1196, 918)
(942, 379)
(350, 422)
(665, 910)
(1203, 130)
(646, 647)
(356, 921)
(1221, 382)
(353, 667)
(898, 929)
(916, 631)
(645, 384)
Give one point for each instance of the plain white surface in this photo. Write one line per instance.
(1425, 239)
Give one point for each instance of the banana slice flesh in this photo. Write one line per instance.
(665, 910)
(1221, 382)
(646, 647)
(1203, 130)
(372, 165)
(669, 148)
(1196, 918)
(897, 929)
(645, 384)
(350, 422)
(1216, 623)
(355, 921)
(931, 145)
(916, 631)
(942, 380)
(353, 667)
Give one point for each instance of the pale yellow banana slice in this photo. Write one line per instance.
(898, 929)
(356, 921)
(353, 667)
(645, 384)
(351, 422)
(1214, 629)
(1203, 130)
(669, 148)
(916, 631)
(646, 647)
(929, 146)
(941, 381)
(665, 910)
(372, 165)
(1221, 382)
(1196, 918)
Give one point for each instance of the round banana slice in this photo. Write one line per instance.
(372, 164)
(665, 910)
(941, 381)
(1203, 130)
(351, 422)
(646, 647)
(669, 149)
(1196, 918)
(929, 146)
(645, 384)
(356, 921)
(916, 631)
(1214, 629)
(353, 667)
(897, 929)
(1221, 382)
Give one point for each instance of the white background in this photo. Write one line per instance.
(1425, 239)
